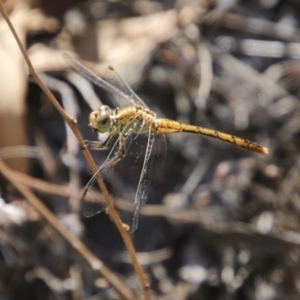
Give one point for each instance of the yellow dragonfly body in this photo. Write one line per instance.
(147, 120)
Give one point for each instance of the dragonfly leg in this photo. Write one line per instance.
(122, 150)
(99, 146)
(120, 154)
(95, 145)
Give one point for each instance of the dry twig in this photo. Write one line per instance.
(123, 228)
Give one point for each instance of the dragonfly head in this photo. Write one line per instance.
(100, 119)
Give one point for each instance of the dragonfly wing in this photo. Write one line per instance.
(153, 161)
(116, 80)
(92, 201)
(113, 83)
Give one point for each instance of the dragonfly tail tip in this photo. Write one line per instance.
(264, 150)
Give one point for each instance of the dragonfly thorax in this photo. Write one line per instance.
(100, 119)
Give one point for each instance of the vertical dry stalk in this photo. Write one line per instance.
(123, 228)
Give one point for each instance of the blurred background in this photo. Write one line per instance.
(220, 222)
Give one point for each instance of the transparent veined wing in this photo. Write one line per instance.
(113, 82)
(143, 184)
(92, 201)
(131, 176)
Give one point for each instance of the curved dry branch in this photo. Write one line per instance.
(122, 228)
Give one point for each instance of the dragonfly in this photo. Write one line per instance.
(126, 123)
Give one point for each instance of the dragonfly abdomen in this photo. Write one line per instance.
(169, 126)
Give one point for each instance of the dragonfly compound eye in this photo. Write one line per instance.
(100, 119)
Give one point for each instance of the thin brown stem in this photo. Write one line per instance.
(97, 265)
(123, 228)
